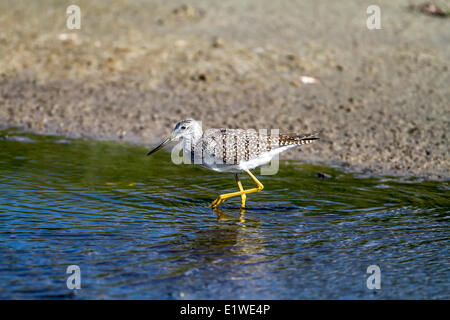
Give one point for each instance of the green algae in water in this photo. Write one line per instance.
(140, 227)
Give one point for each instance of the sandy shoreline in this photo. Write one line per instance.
(382, 100)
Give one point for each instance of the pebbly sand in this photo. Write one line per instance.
(381, 100)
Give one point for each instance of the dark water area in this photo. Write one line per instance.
(140, 228)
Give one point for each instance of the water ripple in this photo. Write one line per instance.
(142, 228)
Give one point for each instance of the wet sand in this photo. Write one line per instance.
(381, 100)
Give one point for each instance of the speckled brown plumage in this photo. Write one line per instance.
(232, 146)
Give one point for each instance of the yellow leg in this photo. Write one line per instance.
(243, 196)
(222, 197)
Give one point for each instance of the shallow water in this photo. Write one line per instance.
(140, 227)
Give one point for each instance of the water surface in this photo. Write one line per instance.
(141, 228)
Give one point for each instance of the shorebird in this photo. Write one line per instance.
(232, 150)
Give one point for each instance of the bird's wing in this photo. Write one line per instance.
(231, 146)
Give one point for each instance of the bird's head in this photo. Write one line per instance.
(186, 129)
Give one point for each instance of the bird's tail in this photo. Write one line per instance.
(298, 139)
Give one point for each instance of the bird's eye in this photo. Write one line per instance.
(183, 127)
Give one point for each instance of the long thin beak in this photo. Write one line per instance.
(169, 139)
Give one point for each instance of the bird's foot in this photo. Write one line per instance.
(216, 202)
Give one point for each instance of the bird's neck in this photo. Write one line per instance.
(192, 140)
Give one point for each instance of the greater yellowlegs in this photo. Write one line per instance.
(232, 150)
